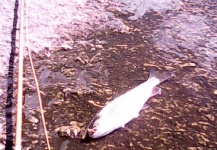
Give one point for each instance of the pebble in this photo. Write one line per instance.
(33, 119)
(210, 117)
(108, 91)
(188, 65)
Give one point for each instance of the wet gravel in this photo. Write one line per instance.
(81, 76)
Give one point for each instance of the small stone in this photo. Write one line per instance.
(35, 128)
(99, 46)
(93, 49)
(108, 91)
(188, 65)
(66, 46)
(74, 123)
(35, 142)
(94, 103)
(194, 124)
(210, 117)
(215, 92)
(33, 119)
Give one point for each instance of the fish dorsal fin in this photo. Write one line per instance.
(145, 106)
(156, 90)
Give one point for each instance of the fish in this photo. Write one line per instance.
(124, 108)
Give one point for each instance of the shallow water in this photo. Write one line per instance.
(76, 82)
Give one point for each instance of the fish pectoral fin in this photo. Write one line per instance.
(156, 90)
(145, 106)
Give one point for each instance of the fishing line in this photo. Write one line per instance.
(35, 77)
(61, 115)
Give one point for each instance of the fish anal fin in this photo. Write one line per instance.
(156, 90)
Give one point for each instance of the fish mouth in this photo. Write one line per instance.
(91, 131)
(88, 133)
(91, 128)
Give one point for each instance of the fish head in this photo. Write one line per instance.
(100, 127)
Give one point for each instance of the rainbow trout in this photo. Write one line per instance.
(126, 107)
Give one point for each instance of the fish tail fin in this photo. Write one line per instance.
(159, 76)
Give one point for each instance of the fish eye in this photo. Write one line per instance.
(95, 124)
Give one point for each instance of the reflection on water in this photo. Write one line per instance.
(140, 7)
(166, 35)
(189, 36)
